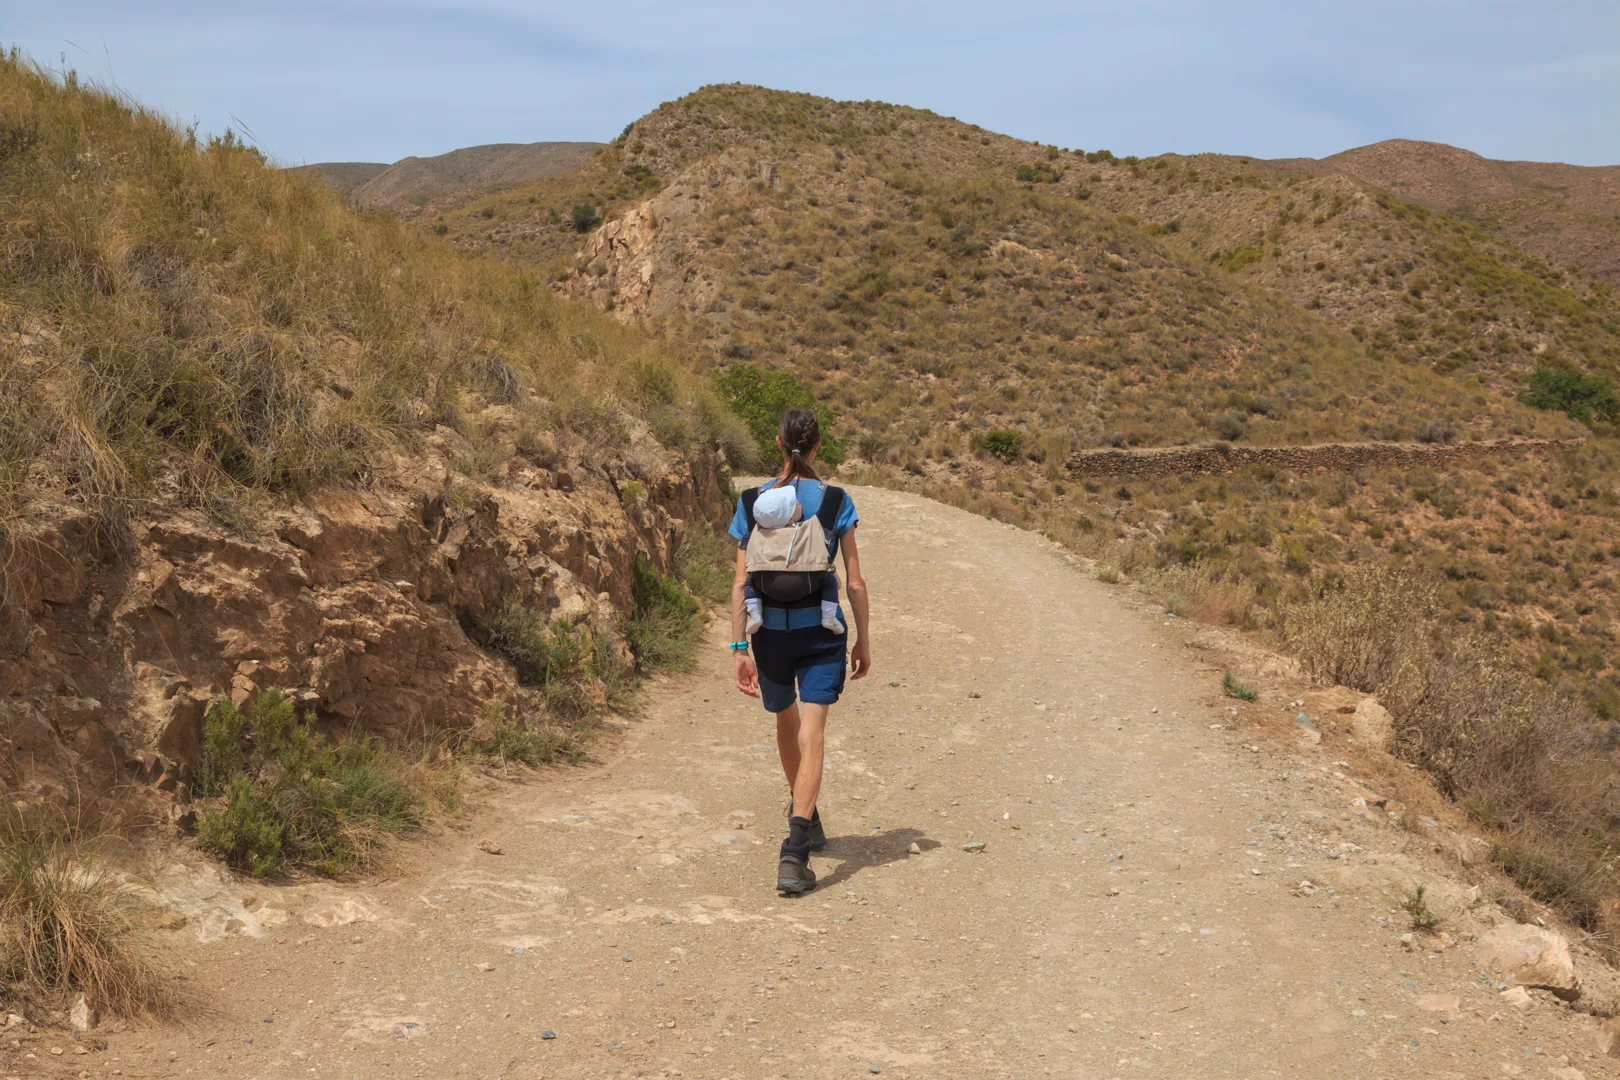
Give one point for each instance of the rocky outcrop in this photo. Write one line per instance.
(357, 599)
(647, 261)
(1226, 457)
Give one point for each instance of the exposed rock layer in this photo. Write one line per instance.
(359, 600)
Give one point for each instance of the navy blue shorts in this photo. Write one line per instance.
(814, 658)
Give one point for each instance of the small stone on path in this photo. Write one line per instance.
(974, 846)
(914, 849)
(490, 847)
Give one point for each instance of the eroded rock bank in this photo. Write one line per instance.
(364, 600)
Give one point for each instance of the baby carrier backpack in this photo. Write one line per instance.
(788, 566)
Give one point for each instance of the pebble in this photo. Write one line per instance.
(914, 849)
(628, 958)
(548, 1035)
(973, 845)
(874, 1069)
(486, 967)
(490, 847)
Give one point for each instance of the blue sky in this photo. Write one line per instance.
(358, 81)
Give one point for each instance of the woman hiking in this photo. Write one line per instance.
(788, 531)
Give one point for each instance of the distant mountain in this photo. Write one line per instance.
(416, 185)
(1567, 214)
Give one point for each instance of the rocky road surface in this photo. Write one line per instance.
(1136, 909)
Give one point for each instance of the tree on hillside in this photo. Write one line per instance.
(760, 397)
(1574, 392)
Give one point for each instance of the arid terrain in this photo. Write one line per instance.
(1243, 538)
(1138, 906)
(416, 185)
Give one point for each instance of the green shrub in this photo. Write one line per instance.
(1039, 173)
(585, 217)
(559, 659)
(1236, 259)
(760, 397)
(1582, 397)
(288, 796)
(1003, 444)
(1234, 689)
(665, 619)
(511, 741)
(706, 562)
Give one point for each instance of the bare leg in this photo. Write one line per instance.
(812, 732)
(787, 741)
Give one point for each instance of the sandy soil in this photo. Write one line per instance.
(1135, 911)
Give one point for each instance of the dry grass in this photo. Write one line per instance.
(1524, 760)
(176, 315)
(69, 926)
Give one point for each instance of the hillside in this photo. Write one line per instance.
(978, 308)
(1568, 215)
(253, 441)
(416, 185)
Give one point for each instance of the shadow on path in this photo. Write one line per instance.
(873, 849)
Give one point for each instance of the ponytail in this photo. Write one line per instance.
(799, 435)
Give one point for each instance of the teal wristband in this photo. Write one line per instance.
(737, 646)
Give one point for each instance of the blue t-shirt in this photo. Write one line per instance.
(809, 493)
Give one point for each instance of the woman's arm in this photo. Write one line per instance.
(747, 674)
(861, 655)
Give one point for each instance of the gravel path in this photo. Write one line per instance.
(1135, 910)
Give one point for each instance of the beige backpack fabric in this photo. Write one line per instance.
(790, 565)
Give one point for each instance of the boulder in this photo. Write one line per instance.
(1525, 955)
(1372, 725)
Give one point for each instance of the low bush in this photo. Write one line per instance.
(281, 795)
(69, 926)
(1583, 397)
(1357, 630)
(1234, 689)
(585, 217)
(561, 659)
(1003, 445)
(665, 620)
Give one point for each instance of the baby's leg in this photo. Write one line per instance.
(752, 605)
(829, 604)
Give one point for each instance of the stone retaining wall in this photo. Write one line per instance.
(1227, 457)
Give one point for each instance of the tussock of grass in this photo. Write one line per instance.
(69, 926)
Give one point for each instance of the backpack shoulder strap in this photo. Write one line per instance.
(748, 499)
(832, 504)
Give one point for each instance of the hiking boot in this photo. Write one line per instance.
(794, 876)
(817, 835)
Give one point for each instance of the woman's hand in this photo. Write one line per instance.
(860, 660)
(747, 675)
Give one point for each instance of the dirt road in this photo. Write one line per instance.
(1134, 911)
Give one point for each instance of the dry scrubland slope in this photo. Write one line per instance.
(415, 185)
(1566, 214)
(896, 261)
(252, 439)
(976, 308)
